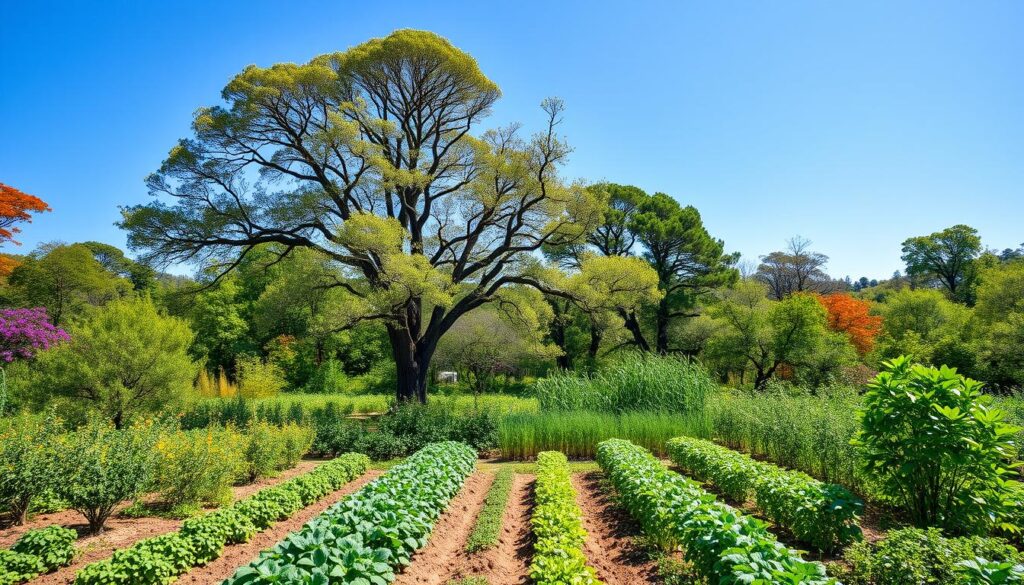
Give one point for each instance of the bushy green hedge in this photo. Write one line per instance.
(826, 516)
(913, 555)
(363, 538)
(160, 559)
(36, 552)
(558, 527)
(724, 546)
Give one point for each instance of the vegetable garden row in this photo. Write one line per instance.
(371, 535)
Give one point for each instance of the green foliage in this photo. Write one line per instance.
(913, 555)
(522, 436)
(125, 359)
(53, 545)
(945, 258)
(822, 515)
(366, 536)
(634, 382)
(103, 466)
(217, 316)
(197, 467)
(28, 457)
(17, 568)
(268, 448)
(789, 427)
(925, 324)
(257, 378)
(725, 546)
(159, 560)
(488, 522)
(558, 527)
(999, 316)
(938, 448)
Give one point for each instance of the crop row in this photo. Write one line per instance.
(558, 527)
(363, 538)
(823, 515)
(724, 546)
(160, 559)
(36, 552)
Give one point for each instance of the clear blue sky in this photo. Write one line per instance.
(855, 124)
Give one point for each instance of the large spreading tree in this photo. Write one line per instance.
(369, 157)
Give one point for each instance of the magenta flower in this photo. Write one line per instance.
(23, 332)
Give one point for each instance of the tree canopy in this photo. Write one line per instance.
(367, 157)
(945, 257)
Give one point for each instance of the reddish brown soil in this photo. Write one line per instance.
(444, 554)
(241, 554)
(123, 532)
(508, 563)
(75, 520)
(610, 548)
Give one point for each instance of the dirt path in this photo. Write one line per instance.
(102, 546)
(508, 563)
(610, 547)
(242, 554)
(119, 530)
(445, 553)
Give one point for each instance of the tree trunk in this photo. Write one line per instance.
(595, 342)
(661, 321)
(633, 326)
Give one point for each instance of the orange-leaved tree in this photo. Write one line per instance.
(853, 317)
(16, 207)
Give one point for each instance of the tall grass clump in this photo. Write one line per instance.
(635, 382)
(522, 436)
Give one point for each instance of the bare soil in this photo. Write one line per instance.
(124, 532)
(444, 554)
(611, 546)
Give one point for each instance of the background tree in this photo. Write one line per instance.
(998, 322)
(768, 334)
(16, 207)
(853, 318)
(112, 258)
(124, 359)
(797, 269)
(66, 279)
(946, 258)
(924, 324)
(366, 156)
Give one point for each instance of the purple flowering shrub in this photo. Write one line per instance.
(23, 332)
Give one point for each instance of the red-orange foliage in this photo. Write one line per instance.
(15, 207)
(852, 317)
(7, 265)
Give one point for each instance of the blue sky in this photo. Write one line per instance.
(854, 124)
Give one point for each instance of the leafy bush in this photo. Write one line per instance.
(258, 379)
(558, 527)
(103, 466)
(365, 536)
(724, 546)
(913, 555)
(488, 522)
(157, 561)
(27, 462)
(53, 545)
(197, 467)
(18, 567)
(634, 382)
(820, 514)
(937, 447)
(270, 448)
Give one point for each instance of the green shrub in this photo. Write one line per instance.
(28, 462)
(937, 447)
(914, 555)
(103, 466)
(18, 567)
(197, 467)
(634, 382)
(259, 379)
(53, 545)
(488, 523)
(558, 527)
(296, 441)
